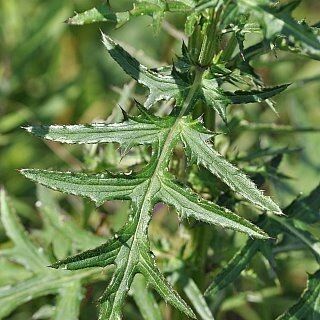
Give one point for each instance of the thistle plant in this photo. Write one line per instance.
(212, 72)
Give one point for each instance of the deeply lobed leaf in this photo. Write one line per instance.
(129, 249)
(190, 205)
(204, 154)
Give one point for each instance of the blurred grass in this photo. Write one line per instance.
(53, 73)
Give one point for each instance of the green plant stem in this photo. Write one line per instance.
(201, 235)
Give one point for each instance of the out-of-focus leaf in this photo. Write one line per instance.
(275, 128)
(155, 9)
(308, 306)
(266, 152)
(280, 26)
(42, 281)
(196, 298)
(306, 209)
(144, 299)
(24, 251)
(232, 270)
(289, 226)
(61, 231)
(45, 312)
(68, 302)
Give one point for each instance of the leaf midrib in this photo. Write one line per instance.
(144, 214)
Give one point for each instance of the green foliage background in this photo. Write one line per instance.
(54, 73)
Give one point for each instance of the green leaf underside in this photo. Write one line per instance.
(42, 281)
(129, 249)
(308, 307)
(97, 187)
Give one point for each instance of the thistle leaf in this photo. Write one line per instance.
(189, 204)
(144, 299)
(135, 131)
(239, 97)
(161, 285)
(129, 249)
(98, 187)
(161, 86)
(101, 256)
(200, 149)
(214, 97)
(164, 86)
